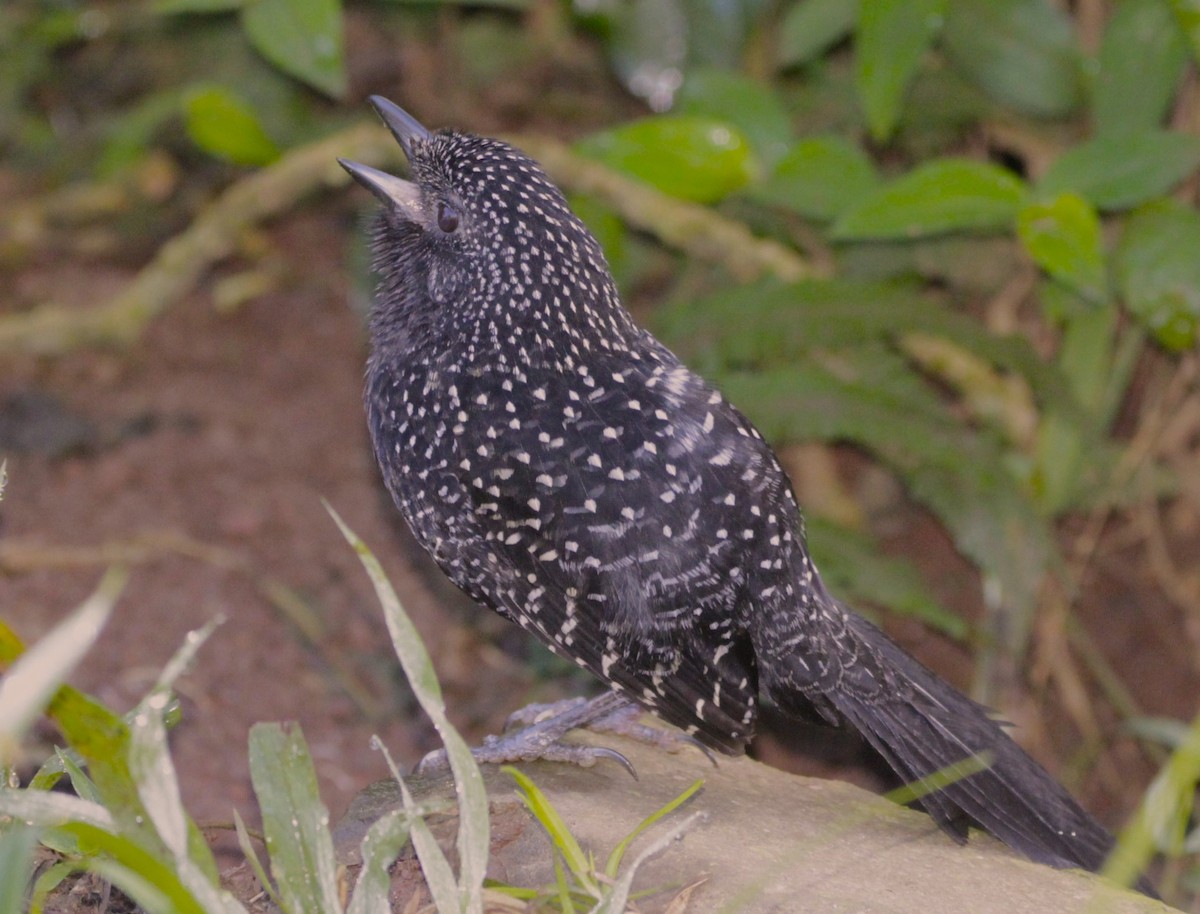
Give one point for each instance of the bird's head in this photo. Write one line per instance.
(480, 242)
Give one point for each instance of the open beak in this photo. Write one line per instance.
(393, 192)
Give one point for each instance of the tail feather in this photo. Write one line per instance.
(921, 725)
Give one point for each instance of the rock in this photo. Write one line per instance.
(769, 841)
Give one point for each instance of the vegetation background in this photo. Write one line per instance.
(946, 253)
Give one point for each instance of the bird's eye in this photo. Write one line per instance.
(447, 218)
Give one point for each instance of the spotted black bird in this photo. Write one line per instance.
(564, 468)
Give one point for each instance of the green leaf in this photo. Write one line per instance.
(815, 361)
(102, 739)
(382, 844)
(1141, 63)
(439, 877)
(609, 229)
(960, 475)
(1120, 171)
(16, 864)
(251, 855)
(819, 178)
(1158, 271)
(1165, 731)
(1020, 52)
(616, 898)
(1066, 444)
(301, 37)
(473, 831)
(1163, 814)
(693, 158)
(224, 126)
(295, 821)
(147, 878)
(1063, 238)
(770, 324)
(153, 771)
(560, 835)
(28, 686)
(752, 107)
(891, 38)
(613, 864)
(45, 809)
(128, 135)
(178, 7)
(811, 27)
(945, 195)
(1187, 14)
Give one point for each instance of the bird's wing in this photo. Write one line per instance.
(622, 542)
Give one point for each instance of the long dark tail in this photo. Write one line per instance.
(921, 725)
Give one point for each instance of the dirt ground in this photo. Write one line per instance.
(201, 455)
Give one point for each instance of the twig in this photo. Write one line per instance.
(54, 329)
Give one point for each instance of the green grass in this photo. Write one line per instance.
(126, 822)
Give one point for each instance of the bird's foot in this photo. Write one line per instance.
(541, 728)
(626, 720)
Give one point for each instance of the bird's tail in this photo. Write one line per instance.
(922, 726)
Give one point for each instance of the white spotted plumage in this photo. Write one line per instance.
(633, 481)
(566, 470)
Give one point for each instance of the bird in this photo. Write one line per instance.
(565, 469)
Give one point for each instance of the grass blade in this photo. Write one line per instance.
(16, 864)
(1163, 812)
(251, 856)
(474, 831)
(154, 774)
(148, 880)
(51, 810)
(439, 877)
(543, 810)
(33, 679)
(618, 897)
(614, 859)
(295, 821)
(380, 847)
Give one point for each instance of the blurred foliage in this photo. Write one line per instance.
(923, 152)
(947, 167)
(928, 157)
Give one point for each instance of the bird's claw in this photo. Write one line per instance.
(504, 750)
